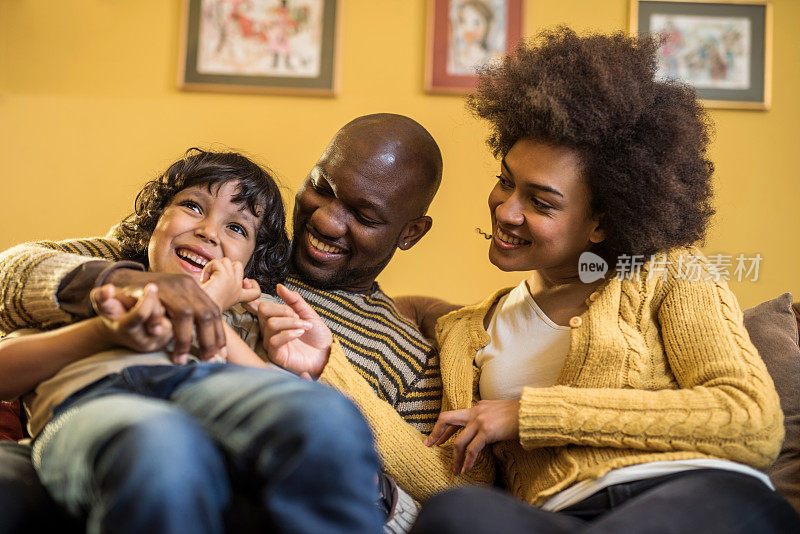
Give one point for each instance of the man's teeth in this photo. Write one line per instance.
(511, 240)
(191, 256)
(319, 245)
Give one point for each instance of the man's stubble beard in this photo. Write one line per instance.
(340, 278)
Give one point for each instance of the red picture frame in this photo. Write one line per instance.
(441, 75)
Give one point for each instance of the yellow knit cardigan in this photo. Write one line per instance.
(659, 368)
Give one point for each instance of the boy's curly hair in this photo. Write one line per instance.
(642, 141)
(257, 191)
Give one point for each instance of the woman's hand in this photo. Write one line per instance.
(223, 280)
(293, 335)
(143, 328)
(487, 422)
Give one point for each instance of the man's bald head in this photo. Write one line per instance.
(403, 144)
(366, 196)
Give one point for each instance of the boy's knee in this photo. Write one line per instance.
(168, 447)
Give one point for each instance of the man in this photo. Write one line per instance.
(366, 196)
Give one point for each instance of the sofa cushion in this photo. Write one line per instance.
(10, 424)
(773, 329)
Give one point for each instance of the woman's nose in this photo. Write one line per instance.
(509, 212)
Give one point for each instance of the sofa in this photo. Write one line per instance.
(773, 327)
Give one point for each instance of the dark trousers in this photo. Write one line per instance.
(703, 501)
(25, 506)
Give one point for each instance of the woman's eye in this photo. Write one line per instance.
(192, 205)
(505, 183)
(238, 228)
(540, 205)
(365, 221)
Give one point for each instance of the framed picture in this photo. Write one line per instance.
(464, 35)
(269, 46)
(722, 48)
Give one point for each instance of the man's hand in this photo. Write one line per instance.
(294, 336)
(185, 304)
(142, 328)
(223, 280)
(487, 422)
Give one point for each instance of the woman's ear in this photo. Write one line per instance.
(413, 232)
(597, 235)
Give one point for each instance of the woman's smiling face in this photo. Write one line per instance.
(200, 225)
(540, 209)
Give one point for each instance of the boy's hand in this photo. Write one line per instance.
(189, 308)
(223, 280)
(293, 335)
(143, 328)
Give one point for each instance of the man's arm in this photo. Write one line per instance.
(47, 284)
(424, 312)
(33, 276)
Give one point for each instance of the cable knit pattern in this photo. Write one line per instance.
(420, 470)
(31, 273)
(660, 369)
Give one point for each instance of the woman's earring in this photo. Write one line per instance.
(484, 234)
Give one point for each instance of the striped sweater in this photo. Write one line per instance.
(385, 349)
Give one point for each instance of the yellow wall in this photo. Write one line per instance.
(89, 109)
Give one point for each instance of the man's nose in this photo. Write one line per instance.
(330, 219)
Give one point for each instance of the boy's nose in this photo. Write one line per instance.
(207, 232)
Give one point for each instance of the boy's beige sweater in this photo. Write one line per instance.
(660, 368)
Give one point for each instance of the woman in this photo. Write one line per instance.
(633, 402)
(641, 389)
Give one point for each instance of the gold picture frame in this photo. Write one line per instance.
(721, 47)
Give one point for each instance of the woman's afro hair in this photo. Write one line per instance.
(642, 141)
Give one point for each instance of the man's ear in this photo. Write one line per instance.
(598, 235)
(413, 232)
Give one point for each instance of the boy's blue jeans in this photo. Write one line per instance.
(162, 449)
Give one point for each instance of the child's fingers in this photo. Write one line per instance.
(297, 303)
(212, 267)
(238, 270)
(140, 313)
(155, 322)
(105, 302)
(252, 306)
(250, 290)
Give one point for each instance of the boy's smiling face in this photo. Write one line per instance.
(198, 226)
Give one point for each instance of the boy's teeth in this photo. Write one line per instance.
(319, 245)
(183, 253)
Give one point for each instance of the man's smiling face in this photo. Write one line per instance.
(349, 215)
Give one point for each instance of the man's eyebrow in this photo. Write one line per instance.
(539, 187)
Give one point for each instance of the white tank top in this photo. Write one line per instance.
(526, 348)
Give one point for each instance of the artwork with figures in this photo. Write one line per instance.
(260, 37)
(478, 34)
(708, 52)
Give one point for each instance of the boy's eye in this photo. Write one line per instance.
(192, 205)
(238, 228)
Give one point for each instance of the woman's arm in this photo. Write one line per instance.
(420, 470)
(726, 405)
